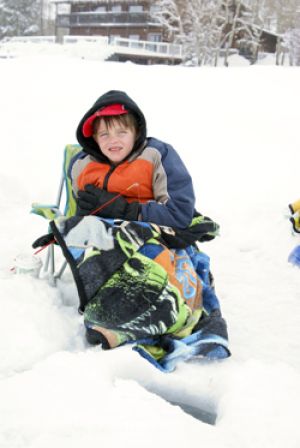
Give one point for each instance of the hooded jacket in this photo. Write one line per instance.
(113, 96)
(153, 173)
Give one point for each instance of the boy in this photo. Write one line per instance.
(137, 289)
(148, 175)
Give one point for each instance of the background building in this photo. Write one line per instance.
(129, 19)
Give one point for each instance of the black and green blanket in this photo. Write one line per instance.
(134, 288)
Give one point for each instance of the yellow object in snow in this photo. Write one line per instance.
(295, 206)
(295, 218)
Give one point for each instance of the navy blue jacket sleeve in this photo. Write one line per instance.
(178, 210)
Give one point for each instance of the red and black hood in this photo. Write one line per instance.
(112, 97)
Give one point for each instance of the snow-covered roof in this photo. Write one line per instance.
(265, 30)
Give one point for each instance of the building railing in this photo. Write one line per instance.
(160, 48)
(31, 39)
(104, 18)
(103, 40)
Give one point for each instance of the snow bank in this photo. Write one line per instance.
(237, 131)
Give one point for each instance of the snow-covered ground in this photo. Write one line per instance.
(237, 129)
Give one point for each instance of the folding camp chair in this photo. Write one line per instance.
(71, 153)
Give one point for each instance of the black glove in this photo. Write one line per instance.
(92, 198)
(201, 229)
(43, 240)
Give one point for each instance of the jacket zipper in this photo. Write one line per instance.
(107, 176)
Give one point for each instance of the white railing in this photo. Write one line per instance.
(159, 48)
(93, 39)
(32, 39)
(138, 46)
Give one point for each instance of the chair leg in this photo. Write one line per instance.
(52, 263)
(46, 264)
(61, 271)
(49, 266)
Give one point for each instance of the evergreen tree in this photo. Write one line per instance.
(19, 17)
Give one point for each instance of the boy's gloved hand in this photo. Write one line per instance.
(92, 198)
(43, 240)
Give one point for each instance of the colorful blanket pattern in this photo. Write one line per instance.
(133, 289)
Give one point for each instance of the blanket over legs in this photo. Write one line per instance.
(134, 289)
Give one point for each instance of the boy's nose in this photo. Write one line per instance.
(113, 138)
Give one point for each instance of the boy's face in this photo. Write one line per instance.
(115, 141)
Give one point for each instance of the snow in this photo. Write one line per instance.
(237, 130)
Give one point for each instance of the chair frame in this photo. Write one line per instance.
(49, 267)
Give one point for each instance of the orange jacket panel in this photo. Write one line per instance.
(132, 179)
